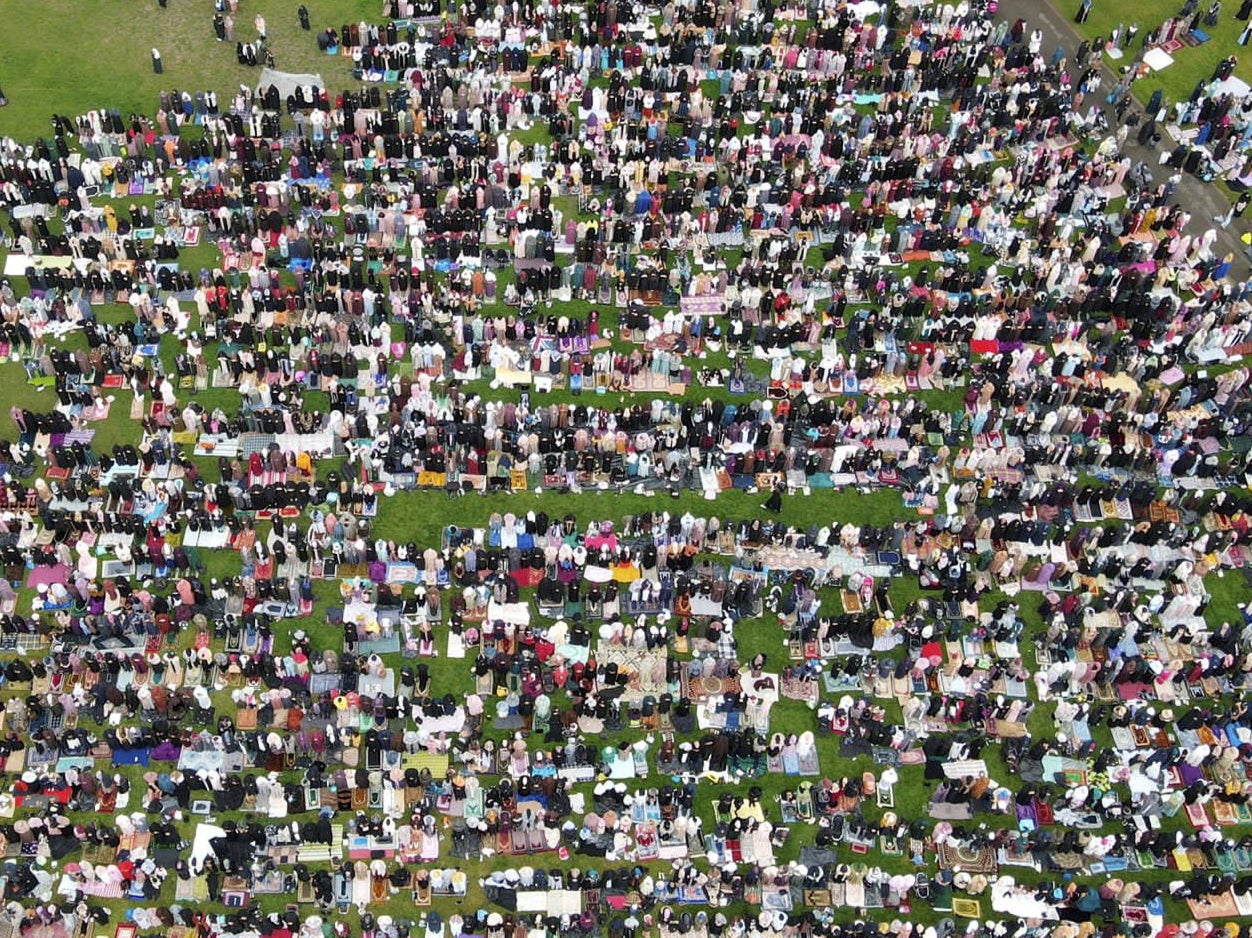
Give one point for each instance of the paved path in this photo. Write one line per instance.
(1203, 200)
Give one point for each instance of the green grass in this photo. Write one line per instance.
(1192, 64)
(100, 58)
(98, 53)
(415, 516)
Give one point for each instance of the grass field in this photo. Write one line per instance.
(1192, 64)
(95, 53)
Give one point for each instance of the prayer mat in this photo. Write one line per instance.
(804, 691)
(1070, 861)
(54, 930)
(98, 413)
(646, 667)
(967, 908)
(133, 842)
(970, 861)
(852, 749)
(437, 762)
(100, 853)
(1221, 905)
(1226, 813)
(104, 890)
(324, 683)
(942, 810)
(698, 687)
(56, 573)
(381, 646)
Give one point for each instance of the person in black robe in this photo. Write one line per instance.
(774, 502)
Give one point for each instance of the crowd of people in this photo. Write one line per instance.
(971, 666)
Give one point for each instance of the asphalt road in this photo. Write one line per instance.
(1203, 200)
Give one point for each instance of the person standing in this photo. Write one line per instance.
(157, 66)
(1245, 10)
(259, 22)
(774, 502)
(228, 24)
(1235, 211)
(303, 14)
(1084, 10)
(219, 27)
(1122, 106)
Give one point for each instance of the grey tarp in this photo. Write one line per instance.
(287, 82)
